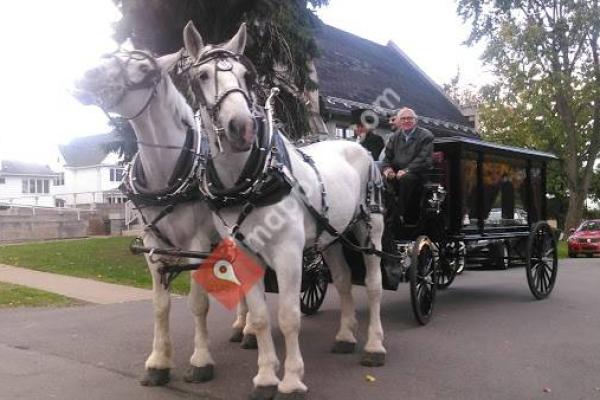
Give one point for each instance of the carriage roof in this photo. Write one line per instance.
(492, 148)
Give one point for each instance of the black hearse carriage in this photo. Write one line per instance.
(478, 193)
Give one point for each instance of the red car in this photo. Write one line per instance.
(585, 239)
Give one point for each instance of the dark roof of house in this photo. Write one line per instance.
(86, 151)
(8, 167)
(355, 70)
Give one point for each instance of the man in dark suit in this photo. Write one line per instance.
(366, 137)
(369, 140)
(408, 155)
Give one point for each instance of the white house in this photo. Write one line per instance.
(27, 184)
(90, 173)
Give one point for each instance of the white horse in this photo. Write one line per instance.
(222, 82)
(138, 87)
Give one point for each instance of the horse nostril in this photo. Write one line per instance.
(232, 126)
(236, 126)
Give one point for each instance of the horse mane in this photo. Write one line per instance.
(176, 101)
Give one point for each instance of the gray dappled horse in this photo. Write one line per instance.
(137, 86)
(222, 81)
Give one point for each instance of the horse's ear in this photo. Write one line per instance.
(237, 44)
(192, 39)
(167, 62)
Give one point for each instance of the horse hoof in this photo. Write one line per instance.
(249, 342)
(372, 359)
(263, 393)
(200, 374)
(291, 396)
(156, 377)
(343, 347)
(237, 336)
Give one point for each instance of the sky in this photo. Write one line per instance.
(45, 51)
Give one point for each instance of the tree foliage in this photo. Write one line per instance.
(281, 42)
(124, 143)
(545, 54)
(463, 95)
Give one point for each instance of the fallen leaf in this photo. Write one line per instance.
(547, 390)
(370, 378)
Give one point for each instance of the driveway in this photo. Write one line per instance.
(488, 340)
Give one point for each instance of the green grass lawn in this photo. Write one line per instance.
(20, 296)
(103, 259)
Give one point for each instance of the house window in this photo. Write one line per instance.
(36, 186)
(116, 174)
(59, 202)
(60, 180)
(2, 180)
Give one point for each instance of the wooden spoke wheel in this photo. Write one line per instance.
(423, 277)
(451, 263)
(503, 261)
(542, 260)
(315, 279)
(462, 258)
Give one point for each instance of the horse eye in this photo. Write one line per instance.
(144, 68)
(203, 76)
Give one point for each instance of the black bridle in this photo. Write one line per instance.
(223, 64)
(150, 80)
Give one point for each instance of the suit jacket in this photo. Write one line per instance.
(374, 143)
(414, 154)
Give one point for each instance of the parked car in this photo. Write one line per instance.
(585, 239)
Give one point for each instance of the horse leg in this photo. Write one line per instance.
(345, 340)
(158, 364)
(240, 322)
(289, 281)
(248, 336)
(266, 381)
(201, 363)
(374, 352)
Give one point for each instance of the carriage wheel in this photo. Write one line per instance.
(542, 260)
(451, 264)
(503, 261)
(462, 257)
(422, 275)
(316, 280)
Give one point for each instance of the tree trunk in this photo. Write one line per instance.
(317, 125)
(575, 210)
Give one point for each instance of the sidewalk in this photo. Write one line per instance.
(77, 288)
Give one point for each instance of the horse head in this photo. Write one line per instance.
(124, 82)
(222, 81)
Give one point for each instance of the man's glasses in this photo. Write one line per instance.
(407, 118)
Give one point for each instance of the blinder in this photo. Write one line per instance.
(224, 64)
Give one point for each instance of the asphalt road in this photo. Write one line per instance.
(489, 340)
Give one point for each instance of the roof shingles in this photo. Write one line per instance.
(357, 69)
(86, 151)
(9, 167)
